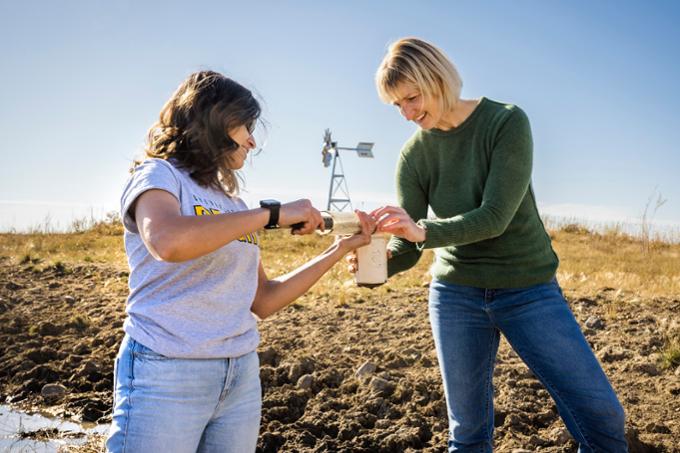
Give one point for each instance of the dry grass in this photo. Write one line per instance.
(589, 261)
(101, 242)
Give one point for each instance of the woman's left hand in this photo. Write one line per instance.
(362, 238)
(396, 221)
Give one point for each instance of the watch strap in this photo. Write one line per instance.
(273, 217)
(273, 207)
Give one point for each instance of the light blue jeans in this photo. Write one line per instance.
(467, 323)
(172, 405)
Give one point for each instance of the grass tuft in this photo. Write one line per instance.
(79, 322)
(575, 228)
(670, 354)
(59, 268)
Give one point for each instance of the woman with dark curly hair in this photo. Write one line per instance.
(187, 373)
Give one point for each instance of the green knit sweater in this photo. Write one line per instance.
(476, 178)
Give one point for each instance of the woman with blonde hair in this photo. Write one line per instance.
(187, 373)
(494, 270)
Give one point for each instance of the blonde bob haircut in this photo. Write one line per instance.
(418, 62)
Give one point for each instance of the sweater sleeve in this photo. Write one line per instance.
(506, 185)
(413, 198)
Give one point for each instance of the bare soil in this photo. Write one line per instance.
(62, 325)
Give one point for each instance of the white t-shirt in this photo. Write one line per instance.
(198, 308)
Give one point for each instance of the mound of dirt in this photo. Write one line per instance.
(353, 377)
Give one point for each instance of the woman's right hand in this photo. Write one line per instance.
(360, 239)
(395, 220)
(300, 212)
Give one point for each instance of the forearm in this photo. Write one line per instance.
(474, 226)
(184, 238)
(403, 256)
(277, 293)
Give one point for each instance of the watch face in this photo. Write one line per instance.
(269, 202)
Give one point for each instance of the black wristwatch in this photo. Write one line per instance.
(273, 206)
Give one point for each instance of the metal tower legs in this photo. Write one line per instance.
(338, 188)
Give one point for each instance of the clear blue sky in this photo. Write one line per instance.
(82, 81)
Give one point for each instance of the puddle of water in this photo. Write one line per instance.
(14, 422)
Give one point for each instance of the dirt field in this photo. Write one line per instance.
(61, 324)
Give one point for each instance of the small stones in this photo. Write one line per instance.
(366, 369)
(52, 391)
(594, 322)
(382, 386)
(561, 435)
(305, 382)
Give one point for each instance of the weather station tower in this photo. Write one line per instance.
(338, 193)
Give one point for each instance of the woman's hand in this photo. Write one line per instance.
(300, 212)
(272, 295)
(396, 221)
(348, 243)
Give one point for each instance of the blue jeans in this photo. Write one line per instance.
(172, 405)
(467, 323)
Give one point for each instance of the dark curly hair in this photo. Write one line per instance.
(193, 124)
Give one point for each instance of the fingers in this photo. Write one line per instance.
(302, 212)
(307, 227)
(393, 224)
(367, 221)
(389, 215)
(378, 213)
(315, 220)
(352, 262)
(389, 222)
